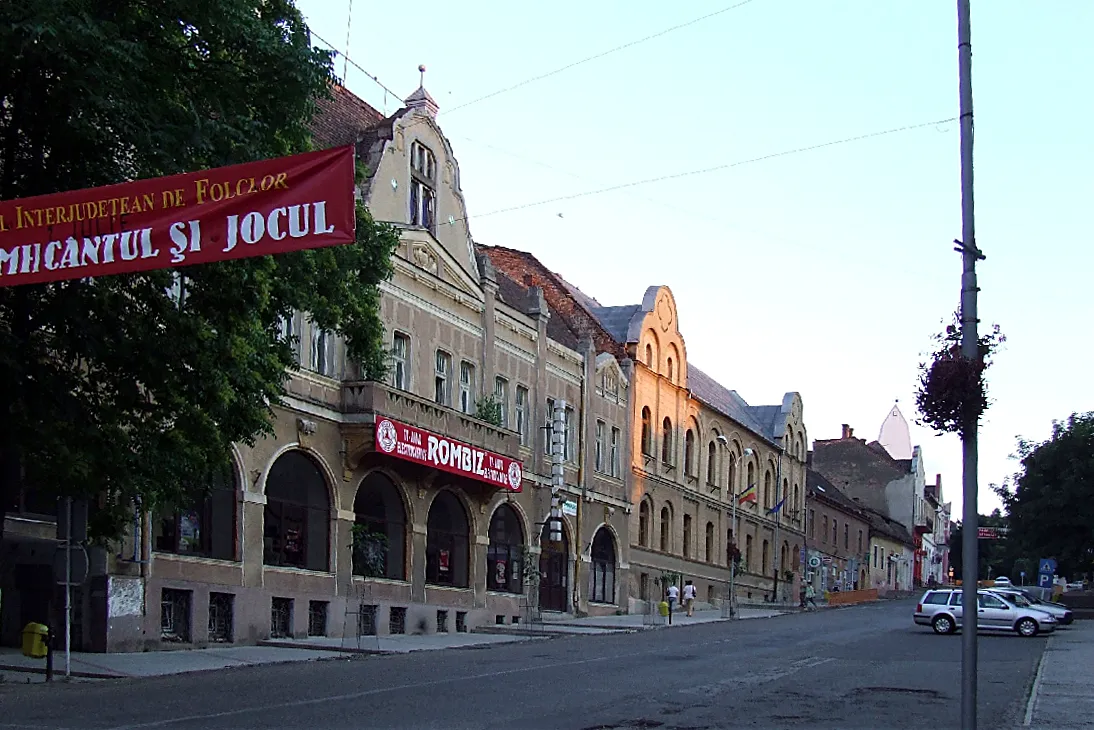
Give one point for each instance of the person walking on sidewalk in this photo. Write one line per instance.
(810, 597)
(689, 598)
(673, 594)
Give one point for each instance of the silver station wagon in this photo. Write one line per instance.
(941, 610)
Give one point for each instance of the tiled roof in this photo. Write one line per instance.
(616, 319)
(725, 401)
(341, 119)
(517, 296)
(816, 483)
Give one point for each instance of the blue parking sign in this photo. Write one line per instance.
(1048, 565)
(1044, 580)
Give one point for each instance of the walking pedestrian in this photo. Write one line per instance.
(689, 598)
(673, 594)
(810, 597)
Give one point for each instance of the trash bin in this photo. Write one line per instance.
(663, 608)
(35, 637)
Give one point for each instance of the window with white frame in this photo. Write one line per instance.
(289, 332)
(441, 388)
(400, 359)
(501, 394)
(423, 186)
(570, 449)
(522, 414)
(613, 463)
(601, 427)
(322, 347)
(467, 386)
(548, 432)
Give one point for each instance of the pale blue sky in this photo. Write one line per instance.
(823, 272)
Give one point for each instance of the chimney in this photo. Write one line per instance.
(848, 432)
(527, 280)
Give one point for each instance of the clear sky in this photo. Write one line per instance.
(824, 271)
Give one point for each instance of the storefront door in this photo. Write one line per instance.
(554, 570)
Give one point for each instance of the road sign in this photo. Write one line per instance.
(1044, 580)
(990, 533)
(79, 565)
(1047, 565)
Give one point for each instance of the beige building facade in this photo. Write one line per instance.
(419, 504)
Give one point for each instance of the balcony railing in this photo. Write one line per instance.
(366, 396)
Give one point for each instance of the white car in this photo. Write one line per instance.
(1003, 582)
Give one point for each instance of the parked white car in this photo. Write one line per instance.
(1003, 582)
(941, 609)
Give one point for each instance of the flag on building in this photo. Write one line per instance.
(749, 495)
(777, 507)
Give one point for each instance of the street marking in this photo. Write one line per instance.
(757, 677)
(1036, 685)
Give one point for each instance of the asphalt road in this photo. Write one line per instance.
(864, 667)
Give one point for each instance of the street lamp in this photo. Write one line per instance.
(732, 490)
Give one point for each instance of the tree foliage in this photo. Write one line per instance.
(952, 393)
(994, 556)
(1050, 502)
(111, 387)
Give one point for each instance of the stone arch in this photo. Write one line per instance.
(505, 552)
(603, 563)
(380, 506)
(323, 464)
(526, 527)
(645, 522)
(449, 527)
(298, 514)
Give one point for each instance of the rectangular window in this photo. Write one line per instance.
(846, 536)
(549, 431)
(875, 556)
(467, 387)
(400, 358)
(441, 392)
(570, 449)
(322, 347)
(175, 615)
(614, 462)
(291, 335)
(501, 393)
(599, 456)
(522, 414)
(812, 523)
(824, 532)
(860, 542)
(423, 196)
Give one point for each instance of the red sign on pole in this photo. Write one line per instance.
(422, 447)
(254, 209)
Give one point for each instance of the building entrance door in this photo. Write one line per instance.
(554, 572)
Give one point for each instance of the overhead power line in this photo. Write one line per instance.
(353, 63)
(602, 54)
(705, 170)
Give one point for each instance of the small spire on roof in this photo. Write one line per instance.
(420, 101)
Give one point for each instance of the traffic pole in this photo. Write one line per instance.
(970, 346)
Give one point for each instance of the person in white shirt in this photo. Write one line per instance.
(673, 594)
(689, 598)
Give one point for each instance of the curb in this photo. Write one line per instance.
(60, 672)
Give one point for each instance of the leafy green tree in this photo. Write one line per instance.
(115, 388)
(1050, 502)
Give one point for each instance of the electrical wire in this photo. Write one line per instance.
(353, 63)
(706, 170)
(602, 54)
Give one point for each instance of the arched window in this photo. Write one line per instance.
(748, 552)
(669, 372)
(835, 532)
(207, 528)
(783, 494)
(751, 474)
(649, 357)
(379, 529)
(666, 441)
(446, 544)
(784, 557)
(296, 532)
(710, 542)
(689, 452)
(647, 438)
(666, 526)
(733, 486)
(503, 557)
(767, 490)
(712, 463)
(766, 556)
(602, 574)
(796, 504)
(644, 524)
(687, 536)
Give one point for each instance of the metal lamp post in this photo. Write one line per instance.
(736, 536)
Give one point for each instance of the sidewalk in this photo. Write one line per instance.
(1063, 690)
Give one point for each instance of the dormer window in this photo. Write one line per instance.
(423, 195)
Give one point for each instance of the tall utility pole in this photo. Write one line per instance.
(970, 349)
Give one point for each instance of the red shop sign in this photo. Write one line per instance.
(422, 447)
(254, 209)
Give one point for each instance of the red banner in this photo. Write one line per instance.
(422, 447)
(254, 209)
